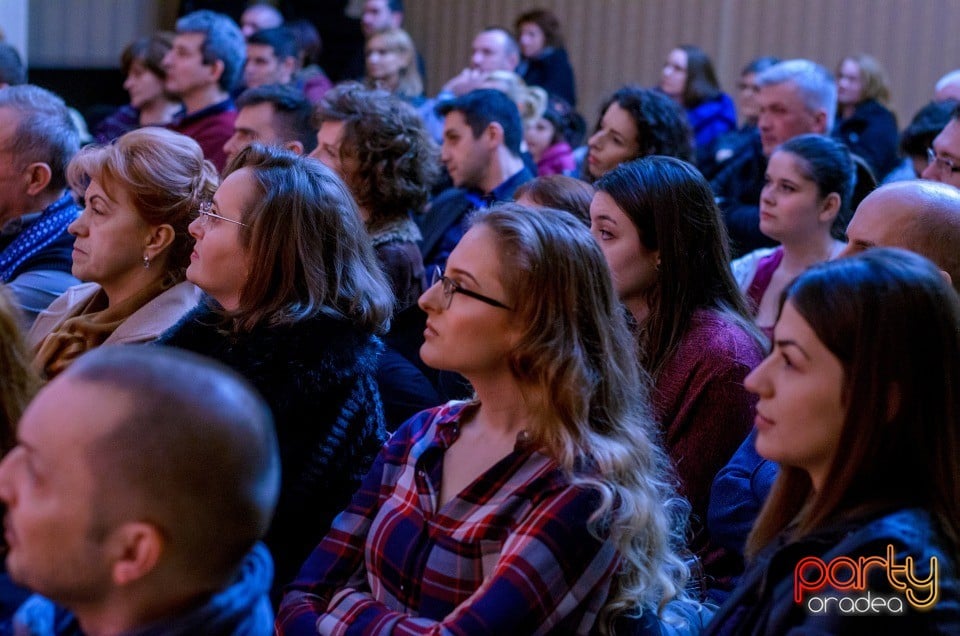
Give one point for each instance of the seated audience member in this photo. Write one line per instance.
(150, 105)
(868, 449)
(809, 184)
(160, 472)
(392, 65)
(919, 216)
(730, 144)
(917, 138)
(530, 508)
(944, 154)
(481, 152)
(796, 97)
(543, 60)
(295, 300)
(493, 49)
(37, 141)
(381, 150)
(558, 192)
(271, 57)
(204, 65)
(259, 16)
(864, 123)
(947, 87)
(309, 77)
(689, 79)
(132, 247)
(635, 122)
(20, 383)
(548, 139)
(381, 15)
(530, 100)
(273, 115)
(663, 238)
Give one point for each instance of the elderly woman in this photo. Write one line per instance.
(543, 504)
(295, 302)
(132, 246)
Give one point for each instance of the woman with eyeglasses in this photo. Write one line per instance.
(859, 404)
(295, 303)
(543, 504)
(132, 246)
(656, 222)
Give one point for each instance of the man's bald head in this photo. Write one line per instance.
(920, 216)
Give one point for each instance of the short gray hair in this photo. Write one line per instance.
(222, 41)
(817, 87)
(45, 132)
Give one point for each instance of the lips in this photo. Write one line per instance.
(429, 331)
(762, 422)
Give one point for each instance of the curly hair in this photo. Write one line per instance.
(164, 174)
(662, 126)
(392, 159)
(576, 363)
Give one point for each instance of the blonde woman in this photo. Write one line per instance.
(392, 65)
(543, 504)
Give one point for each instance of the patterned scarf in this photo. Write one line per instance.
(41, 233)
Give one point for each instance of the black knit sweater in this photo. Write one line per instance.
(319, 378)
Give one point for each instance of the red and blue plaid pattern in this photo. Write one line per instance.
(510, 554)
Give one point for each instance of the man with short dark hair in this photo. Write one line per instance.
(203, 66)
(380, 15)
(37, 141)
(142, 480)
(271, 57)
(481, 152)
(275, 115)
(943, 163)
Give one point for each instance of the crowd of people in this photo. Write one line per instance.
(283, 355)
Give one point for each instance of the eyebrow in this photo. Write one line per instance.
(791, 343)
(604, 217)
(103, 198)
(460, 272)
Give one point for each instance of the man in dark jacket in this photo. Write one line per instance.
(142, 480)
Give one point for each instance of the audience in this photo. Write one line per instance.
(141, 482)
(295, 301)
(868, 449)
(150, 105)
(273, 115)
(204, 65)
(689, 79)
(481, 152)
(864, 123)
(548, 139)
(541, 504)
(636, 122)
(392, 65)
(259, 16)
(558, 192)
(37, 141)
(132, 247)
(543, 60)
(271, 57)
(809, 183)
(796, 97)
(663, 238)
(381, 15)
(944, 154)
(917, 138)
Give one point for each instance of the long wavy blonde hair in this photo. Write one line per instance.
(576, 363)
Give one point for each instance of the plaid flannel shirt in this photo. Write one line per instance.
(510, 554)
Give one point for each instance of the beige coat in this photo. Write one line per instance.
(143, 325)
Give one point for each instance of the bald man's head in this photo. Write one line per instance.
(920, 216)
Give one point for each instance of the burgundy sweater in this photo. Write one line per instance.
(210, 127)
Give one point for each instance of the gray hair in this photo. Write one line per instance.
(223, 41)
(815, 83)
(45, 132)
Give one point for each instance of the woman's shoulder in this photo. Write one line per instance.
(64, 306)
(745, 267)
(157, 315)
(717, 336)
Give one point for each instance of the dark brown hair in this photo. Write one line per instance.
(559, 192)
(547, 22)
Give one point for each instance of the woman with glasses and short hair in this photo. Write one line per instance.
(295, 302)
(543, 504)
(132, 246)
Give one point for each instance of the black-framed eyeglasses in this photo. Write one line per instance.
(449, 288)
(206, 216)
(943, 164)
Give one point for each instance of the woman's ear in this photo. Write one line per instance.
(830, 208)
(159, 239)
